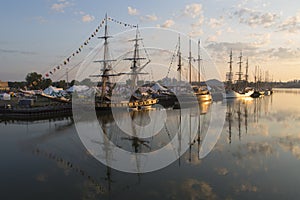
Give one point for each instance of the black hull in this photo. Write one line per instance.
(255, 94)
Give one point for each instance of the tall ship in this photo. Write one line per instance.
(238, 89)
(103, 98)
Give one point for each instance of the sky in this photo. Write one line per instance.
(37, 35)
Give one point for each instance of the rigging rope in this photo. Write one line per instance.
(172, 59)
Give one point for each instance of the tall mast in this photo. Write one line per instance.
(106, 67)
(247, 68)
(199, 60)
(135, 67)
(229, 74)
(135, 60)
(179, 59)
(255, 78)
(240, 68)
(190, 61)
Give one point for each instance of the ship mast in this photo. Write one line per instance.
(179, 59)
(229, 74)
(199, 61)
(246, 75)
(190, 61)
(106, 62)
(240, 69)
(135, 67)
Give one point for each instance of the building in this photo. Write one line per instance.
(4, 86)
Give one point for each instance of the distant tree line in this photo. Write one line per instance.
(35, 81)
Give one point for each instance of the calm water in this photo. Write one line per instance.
(256, 157)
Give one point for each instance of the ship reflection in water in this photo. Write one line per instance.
(257, 155)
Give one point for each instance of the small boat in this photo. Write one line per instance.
(202, 94)
(256, 94)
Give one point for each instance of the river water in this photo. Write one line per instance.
(256, 156)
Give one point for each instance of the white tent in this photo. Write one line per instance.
(157, 87)
(53, 91)
(77, 88)
(5, 97)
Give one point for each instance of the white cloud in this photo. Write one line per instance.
(193, 10)
(87, 18)
(286, 53)
(260, 40)
(60, 6)
(219, 32)
(291, 25)
(168, 23)
(229, 30)
(211, 38)
(214, 38)
(40, 19)
(199, 22)
(196, 33)
(149, 18)
(132, 11)
(215, 23)
(255, 18)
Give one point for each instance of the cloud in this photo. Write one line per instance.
(211, 38)
(17, 52)
(168, 23)
(199, 22)
(87, 18)
(226, 46)
(291, 24)
(60, 6)
(286, 53)
(149, 18)
(193, 10)
(229, 30)
(40, 19)
(215, 23)
(260, 40)
(196, 33)
(214, 38)
(255, 18)
(132, 11)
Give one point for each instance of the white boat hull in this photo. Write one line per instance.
(230, 94)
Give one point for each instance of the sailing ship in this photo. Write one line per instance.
(257, 93)
(239, 89)
(186, 96)
(201, 91)
(138, 100)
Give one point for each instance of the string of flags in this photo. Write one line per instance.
(121, 23)
(85, 43)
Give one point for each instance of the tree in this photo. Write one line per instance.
(35, 81)
(74, 82)
(45, 83)
(87, 82)
(61, 84)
